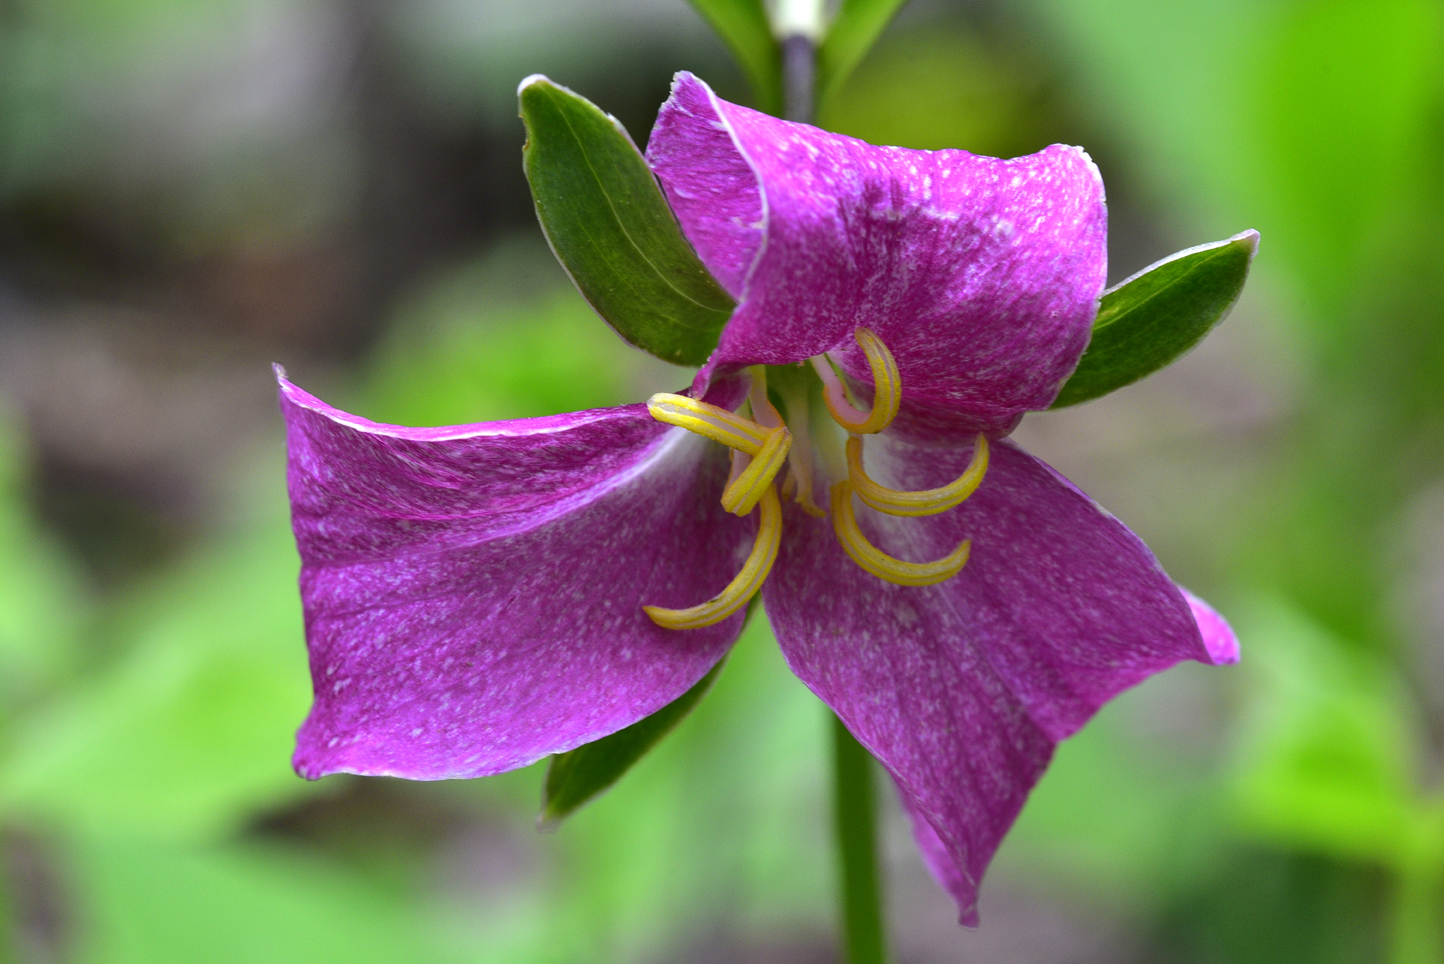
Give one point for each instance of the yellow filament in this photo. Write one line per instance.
(716, 423)
(886, 382)
(740, 589)
(879, 563)
(926, 502)
(743, 492)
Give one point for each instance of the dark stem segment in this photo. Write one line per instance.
(855, 813)
(799, 69)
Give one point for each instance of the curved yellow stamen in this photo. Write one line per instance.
(886, 384)
(716, 423)
(740, 589)
(742, 493)
(926, 502)
(879, 563)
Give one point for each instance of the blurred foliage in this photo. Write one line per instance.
(188, 733)
(855, 27)
(465, 349)
(1289, 810)
(42, 597)
(933, 86)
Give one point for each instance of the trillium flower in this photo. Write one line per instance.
(478, 597)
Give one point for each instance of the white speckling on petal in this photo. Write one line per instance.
(981, 275)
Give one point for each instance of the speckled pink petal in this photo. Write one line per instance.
(982, 275)
(963, 689)
(1218, 635)
(473, 594)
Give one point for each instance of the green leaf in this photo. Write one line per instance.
(853, 32)
(743, 24)
(1147, 321)
(1329, 751)
(579, 775)
(611, 228)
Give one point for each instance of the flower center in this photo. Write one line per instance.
(763, 443)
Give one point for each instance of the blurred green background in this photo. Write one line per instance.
(190, 191)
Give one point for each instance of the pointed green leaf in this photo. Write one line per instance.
(854, 30)
(743, 24)
(1147, 321)
(575, 777)
(610, 227)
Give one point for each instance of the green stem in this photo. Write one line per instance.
(854, 809)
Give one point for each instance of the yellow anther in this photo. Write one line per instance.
(886, 384)
(744, 586)
(716, 423)
(879, 563)
(743, 492)
(926, 502)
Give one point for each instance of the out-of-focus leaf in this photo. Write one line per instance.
(853, 32)
(190, 732)
(1328, 761)
(1322, 104)
(980, 98)
(743, 24)
(1126, 810)
(575, 777)
(1417, 936)
(478, 362)
(157, 904)
(1345, 90)
(42, 599)
(612, 230)
(1147, 321)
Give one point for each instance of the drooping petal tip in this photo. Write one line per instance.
(963, 689)
(1218, 636)
(950, 877)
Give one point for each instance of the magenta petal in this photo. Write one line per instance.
(473, 594)
(940, 863)
(982, 275)
(1218, 636)
(963, 689)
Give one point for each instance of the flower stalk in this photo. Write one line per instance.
(854, 803)
(855, 813)
(799, 25)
